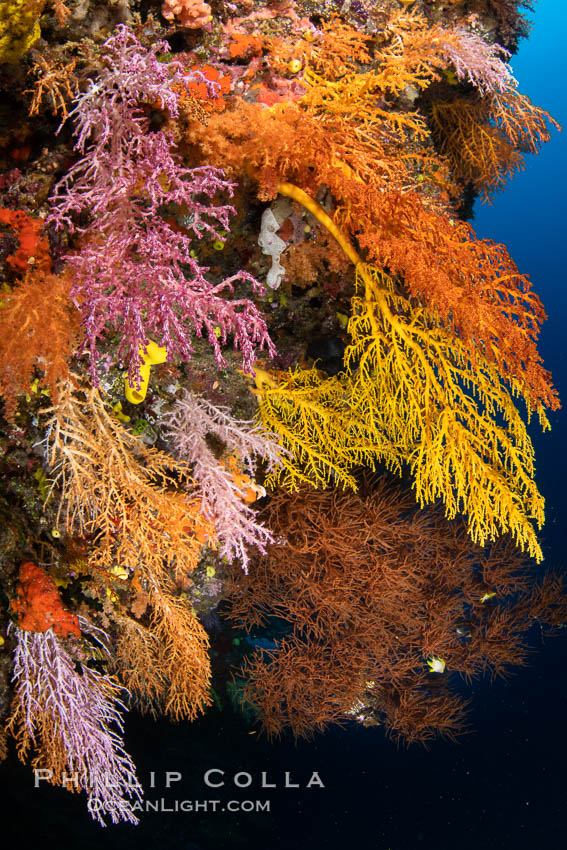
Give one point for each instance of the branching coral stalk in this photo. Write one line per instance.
(56, 83)
(188, 424)
(141, 509)
(74, 719)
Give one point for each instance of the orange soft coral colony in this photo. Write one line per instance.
(39, 605)
(190, 13)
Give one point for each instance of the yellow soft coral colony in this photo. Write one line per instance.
(411, 391)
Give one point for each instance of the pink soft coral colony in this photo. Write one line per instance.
(135, 272)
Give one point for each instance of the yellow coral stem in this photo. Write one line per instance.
(297, 194)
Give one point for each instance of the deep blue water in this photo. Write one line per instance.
(530, 218)
(504, 787)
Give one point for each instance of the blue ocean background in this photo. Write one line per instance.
(504, 786)
(530, 217)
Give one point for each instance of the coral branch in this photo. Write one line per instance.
(74, 719)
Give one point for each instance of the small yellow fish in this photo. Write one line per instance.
(488, 595)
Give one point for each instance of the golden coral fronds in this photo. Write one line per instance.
(449, 414)
(143, 515)
(485, 138)
(413, 390)
(323, 439)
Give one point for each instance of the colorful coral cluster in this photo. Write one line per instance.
(376, 592)
(399, 341)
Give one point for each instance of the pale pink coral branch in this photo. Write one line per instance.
(188, 424)
(482, 64)
(84, 709)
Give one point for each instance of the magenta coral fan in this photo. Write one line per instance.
(134, 272)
